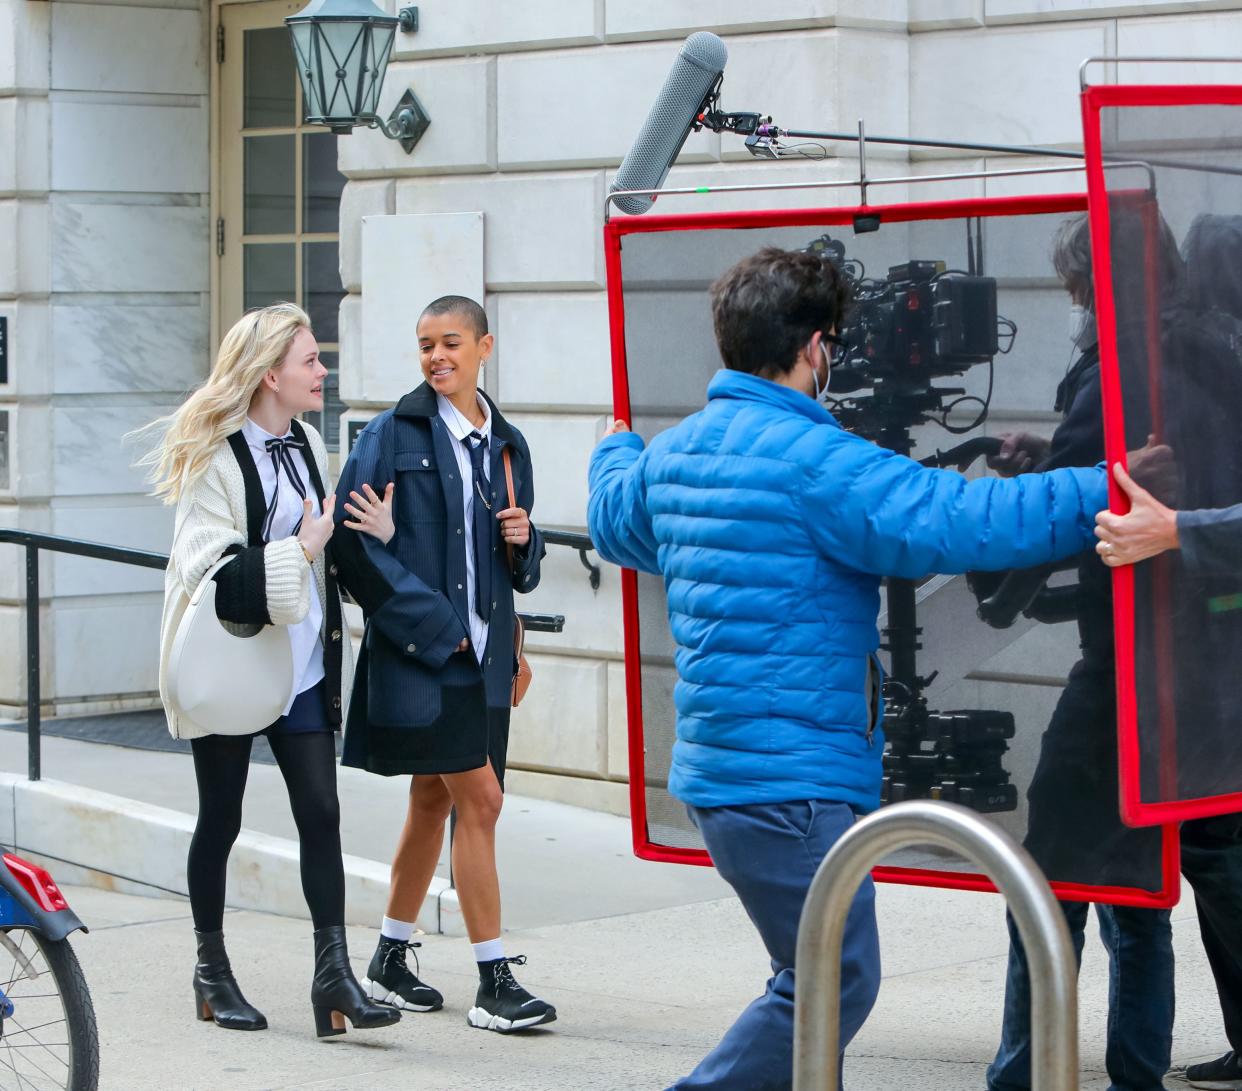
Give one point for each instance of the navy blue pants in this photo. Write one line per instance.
(769, 853)
(1212, 863)
(1140, 999)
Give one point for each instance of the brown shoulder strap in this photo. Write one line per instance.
(509, 476)
(504, 454)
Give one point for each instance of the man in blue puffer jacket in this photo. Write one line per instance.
(772, 527)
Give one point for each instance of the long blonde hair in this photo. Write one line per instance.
(188, 437)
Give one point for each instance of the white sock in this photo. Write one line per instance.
(489, 950)
(401, 931)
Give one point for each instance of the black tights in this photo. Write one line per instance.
(308, 764)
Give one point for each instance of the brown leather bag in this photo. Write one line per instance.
(522, 679)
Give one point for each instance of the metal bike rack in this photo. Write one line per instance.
(1041, 924)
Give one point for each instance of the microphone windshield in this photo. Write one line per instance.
(699, 65)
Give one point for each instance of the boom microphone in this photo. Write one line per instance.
(699, 64)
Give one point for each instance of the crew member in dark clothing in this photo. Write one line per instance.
(1074, 788)
(1210, 541)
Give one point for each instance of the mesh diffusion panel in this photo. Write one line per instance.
(1165, 171)
(960, 333)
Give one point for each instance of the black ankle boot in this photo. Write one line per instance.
(336, 994)
(216, 995)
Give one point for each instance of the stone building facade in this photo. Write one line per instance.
(155, 179)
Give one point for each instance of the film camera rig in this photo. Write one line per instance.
(922, 322)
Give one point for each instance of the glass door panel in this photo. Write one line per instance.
(279, 189)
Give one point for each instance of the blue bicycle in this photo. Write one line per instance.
(48, 1038)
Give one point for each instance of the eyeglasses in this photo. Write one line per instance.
(835, 341)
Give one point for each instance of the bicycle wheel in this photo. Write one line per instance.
(49, 1042)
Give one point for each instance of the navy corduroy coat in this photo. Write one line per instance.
(772, 527)
(413, 590)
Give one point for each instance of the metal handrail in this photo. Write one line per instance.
(33, 542)
(1041, 924)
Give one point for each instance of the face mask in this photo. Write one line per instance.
(822, 391)
(1081, 327)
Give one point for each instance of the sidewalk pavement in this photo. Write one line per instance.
(647, 964)
(641, 997)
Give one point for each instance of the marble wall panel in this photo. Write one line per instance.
(543, 230)
(8, 825)
(583, 108)
(31, 468)
(145, 524)
(562, 725)
(8, 247)
(618, 724)
(25, 45)
(928, 15)
(108, 148)
(8, 141)
(23, 247)
(109, 47)
(352, 367)
(561, 448)
(1009, 85)
(633, 19)
(1057, 181)
(484, 28)
(30, 373)
(127, 348)
(832, 84)
(34, 251)
(12, 658)
(129, 248)
(36, 517)
(87, 658)
(1029, 11)
(358, 200)
(32, 147)
(592, 618)
(553, 349)
(761, 172)
(958, 189)
(459, 98)
(407, 261)
(91, 455)
(1189, 36)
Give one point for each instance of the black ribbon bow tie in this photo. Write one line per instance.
(281, 453)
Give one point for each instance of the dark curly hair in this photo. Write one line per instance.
(767, 306)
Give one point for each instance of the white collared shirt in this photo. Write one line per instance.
(459, 428)
(304, 637)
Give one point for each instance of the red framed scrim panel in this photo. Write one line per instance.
(1165, 191)
(1061, 784)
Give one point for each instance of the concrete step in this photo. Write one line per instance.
(557, 863)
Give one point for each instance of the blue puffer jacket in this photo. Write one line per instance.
(772, 526)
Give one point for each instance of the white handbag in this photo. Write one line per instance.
(227, 683)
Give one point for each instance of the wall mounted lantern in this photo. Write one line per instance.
(342, 49)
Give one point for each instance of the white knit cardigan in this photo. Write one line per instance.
(211, 517)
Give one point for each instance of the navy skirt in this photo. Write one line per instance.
(466, 735)
(307, 714)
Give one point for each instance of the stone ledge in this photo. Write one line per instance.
(106, 841)
(609, 796)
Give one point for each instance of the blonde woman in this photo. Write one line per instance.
(250, 480)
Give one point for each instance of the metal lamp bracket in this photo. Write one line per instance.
(407, 122)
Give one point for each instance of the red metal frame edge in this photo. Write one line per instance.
(1134, 811)
(614, 232)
